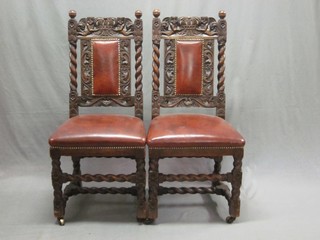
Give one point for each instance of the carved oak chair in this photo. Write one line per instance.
(188, 81)
(105, 59)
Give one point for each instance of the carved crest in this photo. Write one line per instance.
(189, 26)
(105, 27)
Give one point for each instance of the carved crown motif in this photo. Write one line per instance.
(105, 26)
(190, 26)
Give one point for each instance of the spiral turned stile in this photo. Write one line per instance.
(138, 67)
(222, 38)
(221, 68)
(138, 39)
(72, 31)
(155, 67)
(156, 51)
(156, 24)
(222, 25)
(138, 48)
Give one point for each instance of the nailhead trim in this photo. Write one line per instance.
(78, 148)
(196, 148)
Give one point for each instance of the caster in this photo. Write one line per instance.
(61, 221)
(141, 220)
(230, 219)
(148, 221)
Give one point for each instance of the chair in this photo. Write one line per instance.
(105, 60)
(188, 81)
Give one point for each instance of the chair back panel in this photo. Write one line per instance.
(105, 67)
(189, 44)
(105, 62)
(188, 67)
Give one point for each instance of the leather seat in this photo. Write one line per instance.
(99, 131)
(192, 130)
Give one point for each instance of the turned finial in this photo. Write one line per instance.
(222, 14)
(72, 13)
(156, 13)
(138, 14)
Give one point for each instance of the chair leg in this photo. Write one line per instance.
(76, 170)
(153, 189)
(234, 203)
(141, 194)
(57, 181)
(217, 169)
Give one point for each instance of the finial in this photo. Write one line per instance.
(72, 13)
(156, 12)
(222, 14)
(138, 14)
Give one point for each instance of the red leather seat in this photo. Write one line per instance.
(192, 130)
(99, 131)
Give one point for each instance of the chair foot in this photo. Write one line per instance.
(61, 221)
(148, 221)
(230, 219)
(140, 220)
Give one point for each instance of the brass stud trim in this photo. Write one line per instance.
(95, 148)
(194, 148)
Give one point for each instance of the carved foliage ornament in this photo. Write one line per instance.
(105, 27)
(172, 29)
(191, 26)
(124, 73)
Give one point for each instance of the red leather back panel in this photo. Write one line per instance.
(105, 67)
(188, 67)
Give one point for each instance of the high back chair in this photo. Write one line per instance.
(105, 59)
(188, 81)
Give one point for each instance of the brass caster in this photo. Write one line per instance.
(61, 221)
(230, 219)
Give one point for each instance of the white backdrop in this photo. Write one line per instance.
(272, 86)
